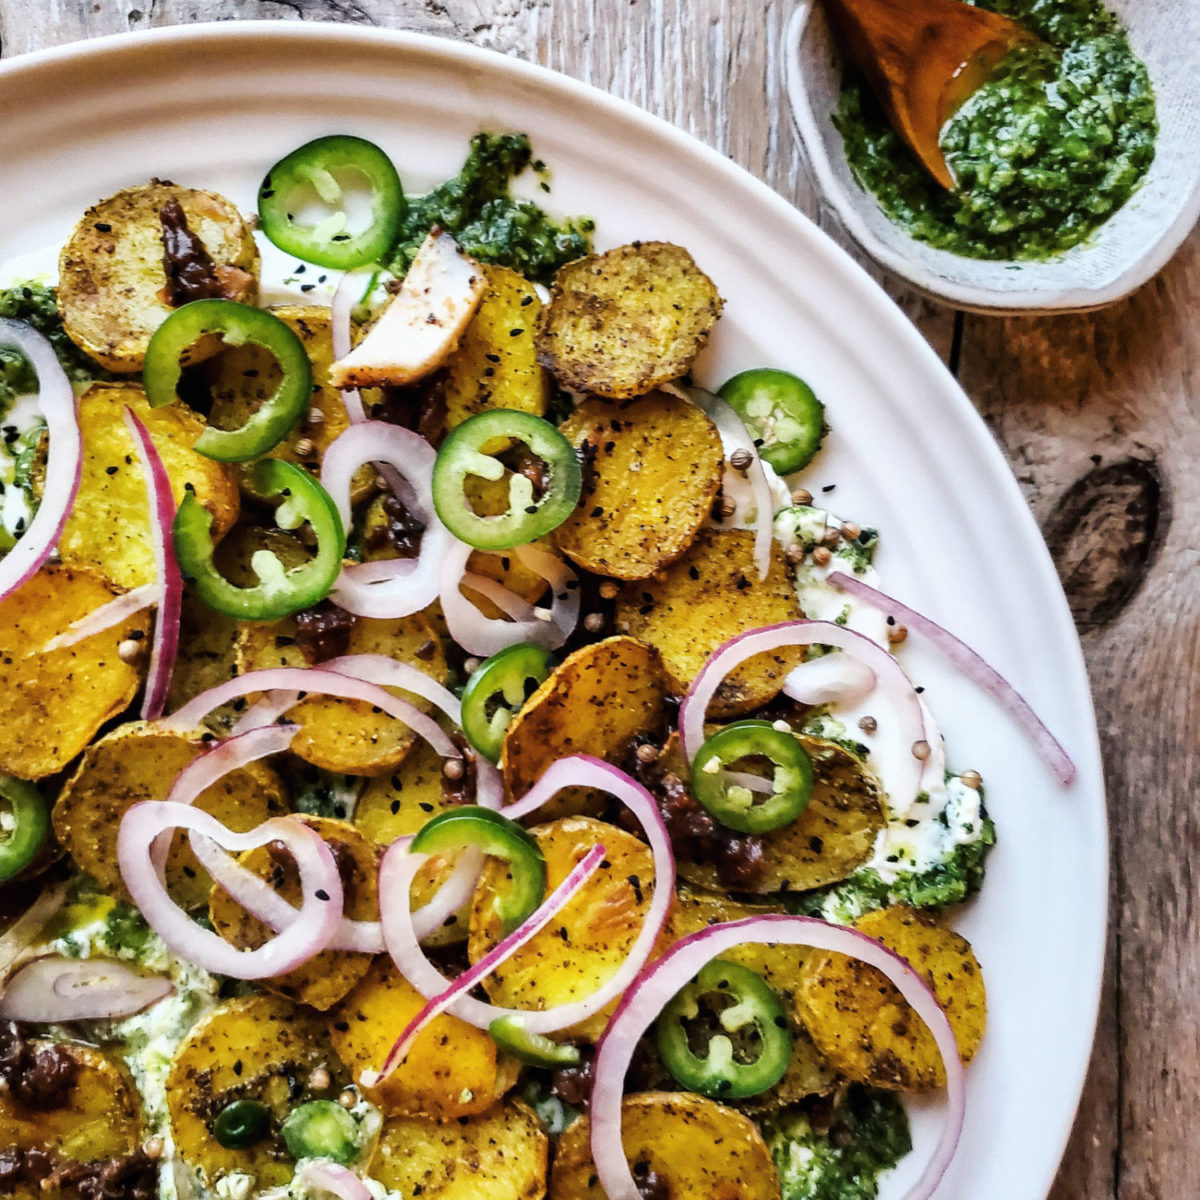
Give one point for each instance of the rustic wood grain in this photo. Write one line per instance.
(1098, 416)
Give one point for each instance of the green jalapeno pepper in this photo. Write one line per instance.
(496, 691)
(316, 167)
(242, 1124)
(279, 592)
(470, 449)
(170, 350)
(781, 413)
(498, 837)
(735, 805)
(533, 1049)
(25, 831)
(743, 1001)
(321, 1129)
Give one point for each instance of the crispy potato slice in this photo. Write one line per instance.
(499, 1155)
(596, 701)
(624, 322)
(139, 761)
(703, 1150)
(861, 1023)
(652, 468)
(703, 599)
(326, 977)
(260, 1048)
(111, 290)
(495, 365)
(207, 657)
(109, 525)
(586, 943)
(830, 840)
(453, 1069)
(348, 736)
(51, 704)
(100, 1119)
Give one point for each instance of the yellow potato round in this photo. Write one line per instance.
(52, 703)
(499, 1155)
(708, 596)
(326, 977)
(652, 468)
(207, 657)
(112, 282)
(863, 1026)
(452, 1070)
(702, 1150)
(582, 948)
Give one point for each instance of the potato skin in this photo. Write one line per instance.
(704, 1151)
(499, 1155)
(863, 1026)
(111, 274)
(622, 323)
(652, 469)
(52, 704)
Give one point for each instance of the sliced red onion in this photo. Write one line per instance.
(501, 952)
(107, 616)
(892, 743)
(340, 309)
(313, 681)
(56, 988)
(506, 600)
(733, 433)
(485, 636)
(830, 679)
(393, 587)
(320, 1176)
(64, 459)
(321, 886)
(399, 868)
(170, 583)
(24, 931)
(975, 669)
(266, 711)
(643, 1002)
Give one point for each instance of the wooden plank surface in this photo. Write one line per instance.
(1099, 418)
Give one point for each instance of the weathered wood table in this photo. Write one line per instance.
(1100, 417)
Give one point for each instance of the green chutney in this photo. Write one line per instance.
(1047, 150)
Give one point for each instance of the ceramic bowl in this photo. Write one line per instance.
(1120, 256)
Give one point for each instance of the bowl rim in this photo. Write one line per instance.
(845, 206)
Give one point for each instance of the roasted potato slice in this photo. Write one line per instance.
(453, 1069)
(499, 1155)
(624, 322)
(207, 657)
(830, 840)
(652, 469)
(138, 762)
(112, 289)
(864, 1027)
(703, 1151)
(348, 736)
(596, 701)
(326, 977)
(100, 1118)
(260, 1048)
(109, 525)
(703, 599)
(52, 703)
(587, 942)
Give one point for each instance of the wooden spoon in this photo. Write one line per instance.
(923, 58)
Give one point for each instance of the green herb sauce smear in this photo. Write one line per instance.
(1047, 150)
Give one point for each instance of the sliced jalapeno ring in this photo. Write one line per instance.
(738, 1000)
(498, 837)
(24, 832)
(783, 416)
(533, 1049)
(279, 592)
(496, 691)
(736, 805)
(320, 166)
(321, 1129)
(172, 348)
(469, 449)
(242, 1124)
